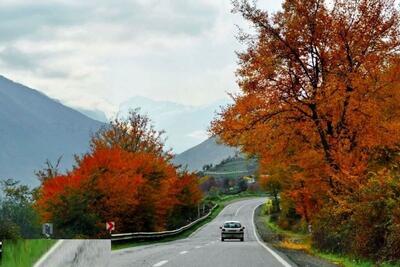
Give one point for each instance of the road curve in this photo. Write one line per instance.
(204, 247)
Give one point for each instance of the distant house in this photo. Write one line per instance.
(250, 179)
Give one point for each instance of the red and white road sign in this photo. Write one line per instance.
(110, 226)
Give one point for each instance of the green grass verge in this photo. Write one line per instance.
(222, 202)
(24, 252)
(288, 234)
(349, 262)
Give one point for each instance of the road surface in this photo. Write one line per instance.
(204, 247)
(77, 253)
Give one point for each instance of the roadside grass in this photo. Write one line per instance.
(221, 202)
(302, 241)
(349, 262)
(24, 252)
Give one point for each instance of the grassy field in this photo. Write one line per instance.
(24, 252)
(222, 202)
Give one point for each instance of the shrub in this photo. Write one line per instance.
(268, 207)
(9, 230)
(365, 224)
(288, 219)
(330, 231)
(17, 216)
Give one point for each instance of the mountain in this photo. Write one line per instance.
(95, 114)
(185, 126)
(208, 152)
(34, 128)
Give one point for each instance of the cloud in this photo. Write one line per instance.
(33, 20)
(35, 62)
(37, 19)
(98, 53)
(199, 135)
(13, 57)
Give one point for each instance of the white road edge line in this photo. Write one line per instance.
(273, 253)
(161, 263)
(48, 253)
(183, 252)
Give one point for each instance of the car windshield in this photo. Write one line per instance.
(232, 225)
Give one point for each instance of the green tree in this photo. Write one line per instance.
(17, 216)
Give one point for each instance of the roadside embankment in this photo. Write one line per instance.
(280, 242)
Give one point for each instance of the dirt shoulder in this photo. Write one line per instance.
(298, 256)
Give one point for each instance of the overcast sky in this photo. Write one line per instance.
(97, 53)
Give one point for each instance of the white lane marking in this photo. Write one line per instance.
(197, 247)
(183, 252)
(48, 253)
(273, 253)
(161, 263)
(205, 225)
(237, 211)
(219, 214)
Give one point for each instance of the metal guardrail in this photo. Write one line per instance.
(225, 173)
(155, 235)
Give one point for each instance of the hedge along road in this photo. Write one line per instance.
(204, 247)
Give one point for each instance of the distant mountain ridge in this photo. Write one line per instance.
(94, 114)
(208, 152)
(34, 127)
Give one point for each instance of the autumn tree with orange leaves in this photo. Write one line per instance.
(126, 178)
(320, 94)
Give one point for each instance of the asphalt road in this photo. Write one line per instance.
(204, 247)
(77, 253)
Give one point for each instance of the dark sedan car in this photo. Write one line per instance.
(232, 230)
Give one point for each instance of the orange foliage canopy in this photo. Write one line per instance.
(123, 179)
(125, 187)
(320, 92)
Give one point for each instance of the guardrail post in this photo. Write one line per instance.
(200, 212)
(1, 250)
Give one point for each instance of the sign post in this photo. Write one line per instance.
(47, 229)
(110, 226)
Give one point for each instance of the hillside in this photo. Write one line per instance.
(33, 128)
(208, 152)
(233, 168)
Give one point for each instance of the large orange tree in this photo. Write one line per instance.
(127, 178)
(319, 91)
(320, 98)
